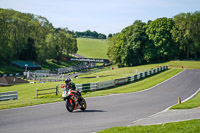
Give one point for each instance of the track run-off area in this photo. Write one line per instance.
(103, 111)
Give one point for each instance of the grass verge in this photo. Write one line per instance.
(192, 103)
(185, 64)
(191, 126)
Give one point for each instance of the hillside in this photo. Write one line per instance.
(92, 48)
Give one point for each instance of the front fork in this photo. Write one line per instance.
(75, 98)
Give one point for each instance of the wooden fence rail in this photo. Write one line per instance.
(54, 92)
(8, 96)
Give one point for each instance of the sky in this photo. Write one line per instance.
(103, 16)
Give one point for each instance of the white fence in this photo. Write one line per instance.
(120, 81)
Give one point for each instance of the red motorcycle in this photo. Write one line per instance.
(74, 100)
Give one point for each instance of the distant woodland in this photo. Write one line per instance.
(156, 41)
(25, 36)
(90, 34)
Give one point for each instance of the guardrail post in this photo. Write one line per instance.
(36, 92)
(16, 95)
(56, 90)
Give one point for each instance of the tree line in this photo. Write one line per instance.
(25, 36)
(90, 34)
(160, 40)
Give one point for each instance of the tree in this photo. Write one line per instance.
(159, 40)
(186, 34)
(159, 31)
(133, 48)
(59, 43)
(126, 48)
(74, 46)
(195, 28)
(30, 37)
(90, 34)
(114, 47)
(29, 51)
(110, 35)
(5, 46)
(101, 36)
(50, 47)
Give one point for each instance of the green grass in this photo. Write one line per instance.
(192, 103)
(92, 48)
(27, 95)
(49, 64)
(185, 64)
(191, 126)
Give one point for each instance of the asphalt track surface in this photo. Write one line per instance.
(102, 112)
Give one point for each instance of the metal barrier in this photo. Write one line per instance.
(117, 82)
(11, 74)
(8, 96)
(120, 81)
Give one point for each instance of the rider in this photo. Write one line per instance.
(70, 85)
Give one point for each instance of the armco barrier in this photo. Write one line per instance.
(10, 75)
(105, 84)
(118, 82)
(121, 81)
(8, 96)
(86, 87)
(93, 86)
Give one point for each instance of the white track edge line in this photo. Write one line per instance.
(165, 109)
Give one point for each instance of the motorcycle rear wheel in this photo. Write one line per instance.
(70, 105)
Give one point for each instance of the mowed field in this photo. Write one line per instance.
(92, 48)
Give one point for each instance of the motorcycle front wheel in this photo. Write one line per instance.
(83, 104)
(70, 105)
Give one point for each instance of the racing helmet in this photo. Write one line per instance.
(67, 80)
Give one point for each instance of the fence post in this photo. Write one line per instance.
(36, 92)
(17, 95)
(56, 90)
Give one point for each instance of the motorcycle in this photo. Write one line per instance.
(74, 100)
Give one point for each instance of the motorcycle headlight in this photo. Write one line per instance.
(64, 94)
